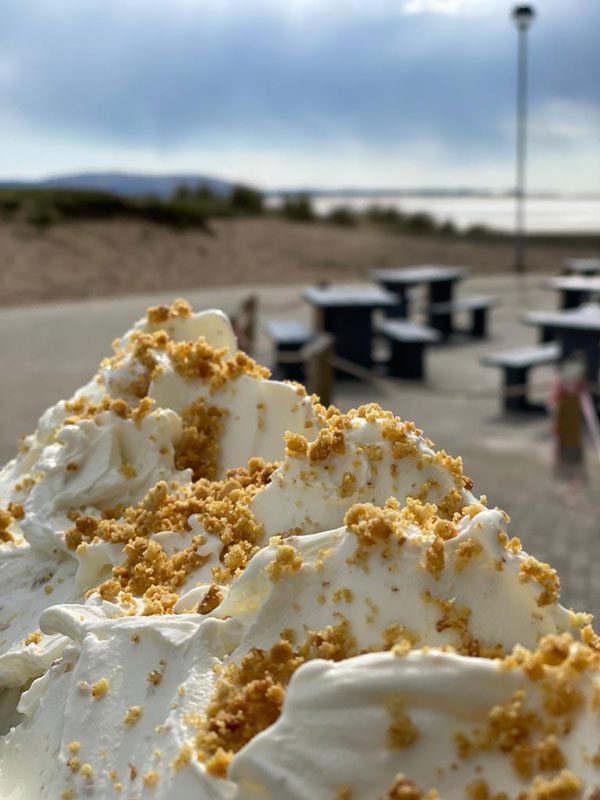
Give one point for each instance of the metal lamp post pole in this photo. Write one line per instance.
(523, 16)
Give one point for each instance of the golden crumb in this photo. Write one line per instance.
(16, 510)
(151, 778)
(74, 747)
(372, 524)
(405, 789)
(133, 715)
(211, 600)
(159, 315)
(563, 787)
(402, 731)
(100, 688)
(128, 471)
(296, 446)
(478, 790)
(465, 553)
(579, 619)
(287, 562)
(344, 595)
(33, 638)
(348, 485)
(399, 636)
(184, 757)
(435, 559)
(512, 546)
(154, 677)
(544, 576)
(6, 520)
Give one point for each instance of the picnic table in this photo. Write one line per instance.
(440, 279)
(576, 330)
(347, 313)
(575, 289)
(583, 266)
(288, 336)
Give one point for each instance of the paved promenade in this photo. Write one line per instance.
(48, 351)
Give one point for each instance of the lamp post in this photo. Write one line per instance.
(523, 16)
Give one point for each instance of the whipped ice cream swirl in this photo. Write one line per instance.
(215, 587)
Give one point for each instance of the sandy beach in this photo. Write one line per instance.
(108, 259)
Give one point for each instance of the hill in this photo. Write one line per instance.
(127, 184)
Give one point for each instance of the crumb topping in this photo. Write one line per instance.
(100, 688)
(221, 507)
(465, 553)
(211, 600)
(198, 448)
(533, 570)
(248, 697)
(6, 521)
(532, 738)
(133, 715)
(159, 315)
(402, 731)
(405, 789)
(34, 638)
(287, 562)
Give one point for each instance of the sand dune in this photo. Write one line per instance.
(103, 259)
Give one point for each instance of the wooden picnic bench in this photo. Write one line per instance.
(440, 314)
(408, 341)
(516, 365)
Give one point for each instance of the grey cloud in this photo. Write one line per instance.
(164, 74)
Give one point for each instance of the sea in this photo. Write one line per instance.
(542, 214)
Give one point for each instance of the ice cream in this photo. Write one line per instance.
(214, 587)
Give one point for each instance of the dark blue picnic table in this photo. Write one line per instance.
(575, 289)
(289, 337)
(347, 313)
(577, 330)
(582, 266)
(440, 280)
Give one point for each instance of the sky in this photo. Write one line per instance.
(289, 93)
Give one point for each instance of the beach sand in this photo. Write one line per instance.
(108, 259)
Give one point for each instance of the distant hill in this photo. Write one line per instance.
(130, 184)
(125, 183)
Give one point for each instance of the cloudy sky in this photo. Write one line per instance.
(299, 92)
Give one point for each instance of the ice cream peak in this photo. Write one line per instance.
(213, 586)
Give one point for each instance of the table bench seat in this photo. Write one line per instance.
(407, 343)
(440, 314)
(516, 365)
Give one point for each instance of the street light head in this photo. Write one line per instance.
(523, 16)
